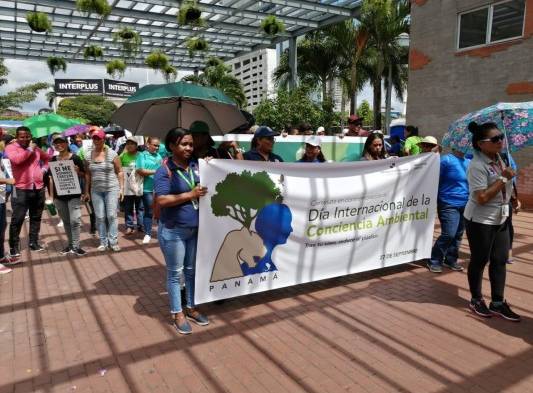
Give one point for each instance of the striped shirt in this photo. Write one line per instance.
(103, 176)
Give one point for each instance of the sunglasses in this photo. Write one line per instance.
(494, 139)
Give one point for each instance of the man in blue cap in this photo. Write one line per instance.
(262, 145)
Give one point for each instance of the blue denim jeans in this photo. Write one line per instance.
(148, 200)
(179, 249)
(133, 205)
(452, 223)
(3, 225)
(105, 207)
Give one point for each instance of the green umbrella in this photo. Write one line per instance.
(49, 123)
(155, 109)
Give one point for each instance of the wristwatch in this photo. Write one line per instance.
(503, 179)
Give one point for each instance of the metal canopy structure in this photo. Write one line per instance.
(233, 28)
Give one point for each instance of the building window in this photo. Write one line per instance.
(494, 23)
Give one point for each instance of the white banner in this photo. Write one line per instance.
(271, 225)
(65, 177)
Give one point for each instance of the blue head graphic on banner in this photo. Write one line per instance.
(256, 205)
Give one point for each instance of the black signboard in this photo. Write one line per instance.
(78, 87)
(119, 88)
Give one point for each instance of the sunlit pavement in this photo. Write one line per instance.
(99, 323)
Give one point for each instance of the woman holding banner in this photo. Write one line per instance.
(374, 148)
(177, 192)
(487, 220)
(68, 205)
(104, 180)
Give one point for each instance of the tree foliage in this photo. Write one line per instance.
(95, 109)
(365, 112)
(242, 196)
(20, 96)
(289, 107)
(218, 75)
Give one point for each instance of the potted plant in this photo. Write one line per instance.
(39, 22)
(190, 14)
(99, 7)
(116, 68)
(93, 51)
(156, 60)
(170, 73)
(129, 39)
(272, 26)
(196, 44)
(56, 64)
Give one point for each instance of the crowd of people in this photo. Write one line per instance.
(161, 181)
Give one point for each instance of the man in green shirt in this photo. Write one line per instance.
(411, 146)
(146, 164)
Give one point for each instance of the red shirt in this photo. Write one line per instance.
(27, 166)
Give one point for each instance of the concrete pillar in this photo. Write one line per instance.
(293, 63)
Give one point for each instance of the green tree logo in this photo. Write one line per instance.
(241, 196)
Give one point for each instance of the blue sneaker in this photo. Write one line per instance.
(434, 268)
(182, 326)
(195, 316)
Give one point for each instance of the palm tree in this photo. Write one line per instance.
(385, 21)
(51, 96)
(218, 75)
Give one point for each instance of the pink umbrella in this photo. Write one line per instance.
(77, 129)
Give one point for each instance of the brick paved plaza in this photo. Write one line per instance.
(100, 324)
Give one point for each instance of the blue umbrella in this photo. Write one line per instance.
(514, 119)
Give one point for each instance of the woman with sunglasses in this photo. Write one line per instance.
(487, 220)
(104, 181)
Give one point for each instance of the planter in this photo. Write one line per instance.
(156, 60)
(272, 26)
(170, 73)
(129, 39)
(99, 7)
(195, 44)
(190, 14)
(116, 68)
(93, 51)
(56, 64)
(39, 22)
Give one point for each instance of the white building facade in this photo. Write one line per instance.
(256, 72)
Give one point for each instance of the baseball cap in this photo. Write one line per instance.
(199, 127)
(320, 129)
(354, 119)
(265, 131)
(59, 137)
(313, 141)
(430, 140)
(131, 139)
(97, 132)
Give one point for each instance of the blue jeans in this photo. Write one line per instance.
(148, 200)
(105, 207)
(179, 249)
(133, 203)
(3, 225)
(452, 223)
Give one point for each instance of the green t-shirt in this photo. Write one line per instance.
(127, 159)
(146, 160)
(411, 145)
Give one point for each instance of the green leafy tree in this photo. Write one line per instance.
(20, 96)
(289, 107)
(218, 75)
(95, 109)
(364, 111)
(242, 196)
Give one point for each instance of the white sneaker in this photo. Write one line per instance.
(115, 247)
(4, 269)
(147, 239)
(101, 247)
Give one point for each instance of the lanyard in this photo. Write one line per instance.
(190, 181)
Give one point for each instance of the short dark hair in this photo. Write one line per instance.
(174, 136)
(22, 128)
(480, 131)
(412, 130)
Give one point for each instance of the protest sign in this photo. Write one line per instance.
(133, 183)
(271, 225)
(65, 177)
